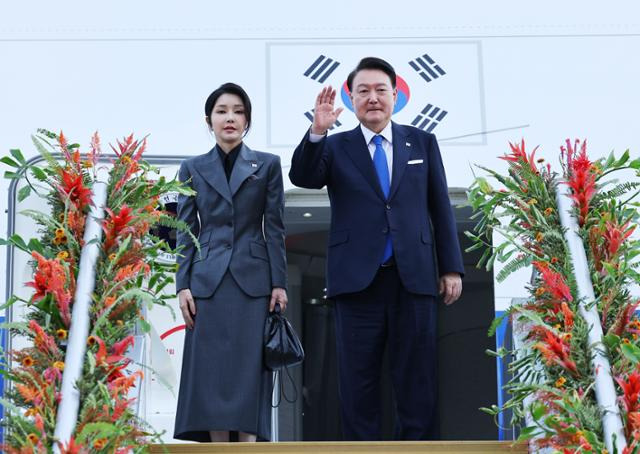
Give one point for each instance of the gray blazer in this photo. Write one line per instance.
(239, 224)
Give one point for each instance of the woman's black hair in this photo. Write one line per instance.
(232, 89)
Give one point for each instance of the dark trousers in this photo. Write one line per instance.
(365, 322)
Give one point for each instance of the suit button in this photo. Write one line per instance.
(385, 230)
(228, 246)
(387, 206)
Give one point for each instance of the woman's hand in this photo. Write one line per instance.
(278, 295)
(187, 307)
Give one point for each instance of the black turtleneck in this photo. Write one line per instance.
(229, 159)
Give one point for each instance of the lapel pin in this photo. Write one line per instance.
(253, 164)
(408, 144)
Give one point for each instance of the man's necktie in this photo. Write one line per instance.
(382, 169)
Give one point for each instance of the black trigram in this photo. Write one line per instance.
(321, 68)
(429, 118)
(427, 68)
(309, 115)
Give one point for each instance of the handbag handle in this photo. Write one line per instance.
(281, 389)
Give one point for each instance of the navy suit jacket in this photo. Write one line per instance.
(417, 213)
(239, 224)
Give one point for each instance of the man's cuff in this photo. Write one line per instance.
(315, 138)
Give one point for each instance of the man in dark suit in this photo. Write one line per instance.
(390, 218)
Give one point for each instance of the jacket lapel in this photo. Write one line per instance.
(401, 152)
(358, 151)
(246, 164)
(210, 169)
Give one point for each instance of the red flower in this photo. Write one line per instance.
(581, 176)
(556, 351)
(614, 235)
(116, 225)
(630, 394)
(623, 319)
(554, 282)
(72, 186)
(116, 361)
(568, 316)
(42, 341)
(519, 157)
(50, 278)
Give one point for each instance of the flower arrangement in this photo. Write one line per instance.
(553, 384)
(127, 278)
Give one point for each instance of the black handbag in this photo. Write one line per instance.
(282, 348)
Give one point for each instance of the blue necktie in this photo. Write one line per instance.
(382, 169)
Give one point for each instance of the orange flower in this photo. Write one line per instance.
(119, 322)
(62, 255)
(548, 211)
(31, 412)
(33, 438)
(61, 334)
(560, 382)
(99, 444)
(539, 291)
(59, 232)
(27, 361)
(539, 237)
(59, 365)
(109, 300)
(112, 256)
(625, 341)
(51, 278)
(554, 260)
(91, 341)
(28, 393)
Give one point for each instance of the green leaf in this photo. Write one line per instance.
(538, 410)
(496, 323)
(10, 162)
(18, 242)
(16, 153)
(144, 325)
(500, 353)
(527, 433)
(611, 341)
(23, 193)
(38, 173)
(631, 352)
(11, 175)
(36, 245)
(10, 302)
(98, 430)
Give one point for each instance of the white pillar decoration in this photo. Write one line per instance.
(67, 415)
(604, 387)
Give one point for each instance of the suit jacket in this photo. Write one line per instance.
(417, 213)
(239, 224)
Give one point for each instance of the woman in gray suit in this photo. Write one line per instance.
(226, 288)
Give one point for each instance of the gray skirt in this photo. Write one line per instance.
(224, 384)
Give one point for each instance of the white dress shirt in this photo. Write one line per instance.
(387, 143)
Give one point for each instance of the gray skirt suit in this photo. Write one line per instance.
(239, 225)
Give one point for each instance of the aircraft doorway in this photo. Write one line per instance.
(467, 375)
